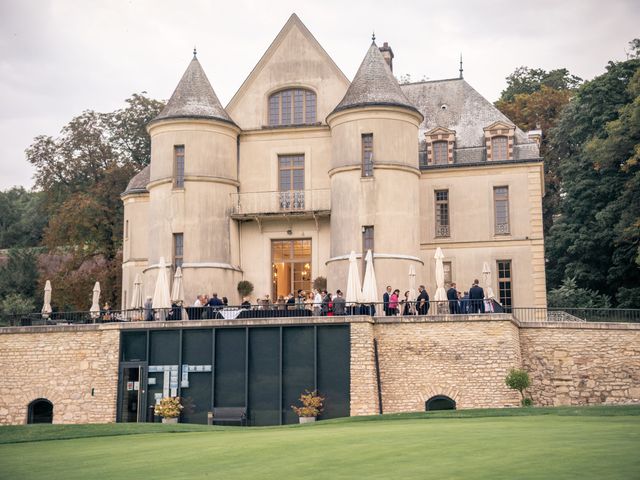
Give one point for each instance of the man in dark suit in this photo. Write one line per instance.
(452, 296)
(422, 302)
(476, 298)
(385, 300)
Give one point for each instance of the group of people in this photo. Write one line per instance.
(472, 301)
(324, 303)
(319, 302)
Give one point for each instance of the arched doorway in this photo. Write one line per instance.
(440, 402)
(40, 411)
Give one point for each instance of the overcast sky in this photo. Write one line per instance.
(58, 58)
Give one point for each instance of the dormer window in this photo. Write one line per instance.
(499, 149)
(295, 106)
(440, 144)
(499, 141)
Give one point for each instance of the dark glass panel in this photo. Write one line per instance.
(334, 379)
(230, 367)
(264, 376)
(164, 347)
(134, 346)
(297, 368)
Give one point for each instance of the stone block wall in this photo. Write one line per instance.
(364, 387)
(582, 363)
(466, 360)
(74, 367)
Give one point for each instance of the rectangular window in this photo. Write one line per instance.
(274, 109)
(367, 155)
(448, 278)
(178, 175)
(442, 213)
(310, 107)
(178, 249)
(126, 229)
(504, 284)
(440, 153)
(291, 265)
(501, 210)
(291, 181)
(499, 148)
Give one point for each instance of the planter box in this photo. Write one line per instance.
(170, 420)
(307, 419)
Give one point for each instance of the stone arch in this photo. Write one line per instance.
(440, 402)
(40, 410)
(438, 391)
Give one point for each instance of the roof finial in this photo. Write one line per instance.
(373, 36)
(460, 64)
(195, 52)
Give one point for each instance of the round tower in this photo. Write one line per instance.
(194, 171)
(374, 176)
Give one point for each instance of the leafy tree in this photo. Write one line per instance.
(569, 295)
(245, 287)
(597, 145)
(23, 218)
(525, 80)
(82, 173)
(20, 273)
(518, 379)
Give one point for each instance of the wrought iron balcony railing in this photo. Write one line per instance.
(290, 201)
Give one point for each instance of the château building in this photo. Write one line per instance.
(303, 166)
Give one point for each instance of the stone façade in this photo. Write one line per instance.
(464, 357)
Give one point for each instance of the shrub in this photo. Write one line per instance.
(569, 295)
(312, 404)
(14, 303)
(320, 283)
(518, 380)
(169, 407)
(526, 402)
(245, 287)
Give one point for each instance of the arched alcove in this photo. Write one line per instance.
(440, 402)
(40, 411)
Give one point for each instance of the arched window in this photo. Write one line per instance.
(440, 153)
(40, 411)
(440, 402)
(499, 148)
(295, 106)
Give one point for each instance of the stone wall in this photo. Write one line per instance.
(466, 360)
(74, 367)
(582, 363)
(364, 387)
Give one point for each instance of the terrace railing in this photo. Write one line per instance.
(281, 202)
(299, 309)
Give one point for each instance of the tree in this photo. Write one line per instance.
(81, 174)
(19, 275)
(518, 379)
(525, 80)
(596, 143)
(245, 287)
(569, 295)
(23, 218)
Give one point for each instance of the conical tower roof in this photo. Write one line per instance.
(194, 97)
(374, 84)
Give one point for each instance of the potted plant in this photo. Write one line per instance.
(245, 287)
(169, 409)
(312, 405)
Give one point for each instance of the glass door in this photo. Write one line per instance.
(132, 393)
(291, 266)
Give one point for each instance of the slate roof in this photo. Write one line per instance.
(465, 111)
(138, 184)
(194, 97)
(374, 84)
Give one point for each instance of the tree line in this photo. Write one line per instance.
(69, 227)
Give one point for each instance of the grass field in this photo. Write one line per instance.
(591, 442)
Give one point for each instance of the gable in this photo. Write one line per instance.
(294, 59)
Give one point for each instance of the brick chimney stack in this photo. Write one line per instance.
(387, 53)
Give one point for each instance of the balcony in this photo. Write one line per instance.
(304, 203)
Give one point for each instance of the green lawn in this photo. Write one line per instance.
(597, 442)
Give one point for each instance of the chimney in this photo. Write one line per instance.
(387, 54)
